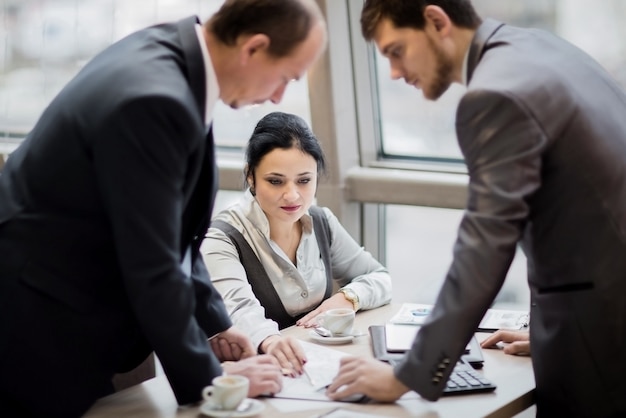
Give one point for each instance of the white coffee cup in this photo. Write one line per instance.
(339, 322)
(226, 392)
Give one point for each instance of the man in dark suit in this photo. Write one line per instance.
(542, 128)
(104, 205)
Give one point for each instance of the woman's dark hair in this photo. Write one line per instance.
(410, 14)
(286, 23)
(284, 131)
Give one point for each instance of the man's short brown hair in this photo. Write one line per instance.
(410, 14)
(286, 22)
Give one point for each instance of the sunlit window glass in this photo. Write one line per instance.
(232, 128)
(44, 43)
(430, 233)
(415, 127)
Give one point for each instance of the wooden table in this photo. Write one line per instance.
(513, 375)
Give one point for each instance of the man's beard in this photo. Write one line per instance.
(443, 73)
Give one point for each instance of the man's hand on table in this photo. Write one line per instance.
(263, 371)
(231, 345)
(239, 357)
(367, 376)
(516, 342)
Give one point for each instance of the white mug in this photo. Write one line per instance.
(339, 322)
(226, 392)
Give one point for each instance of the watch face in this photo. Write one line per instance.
(352, 297)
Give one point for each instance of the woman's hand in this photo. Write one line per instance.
(517, 342)
(288, 352)
(336, 301)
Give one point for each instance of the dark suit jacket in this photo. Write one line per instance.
(543, 131)
(97, 209)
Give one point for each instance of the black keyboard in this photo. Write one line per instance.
(464, 379)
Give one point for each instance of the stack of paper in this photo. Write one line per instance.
(321, 368)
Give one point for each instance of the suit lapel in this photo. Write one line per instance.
(477, 47)
(210, 174)
(200, 204)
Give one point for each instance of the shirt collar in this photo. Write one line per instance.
(213, 89)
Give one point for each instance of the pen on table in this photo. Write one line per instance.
(308, 376)
(327, 413)
(288, 372)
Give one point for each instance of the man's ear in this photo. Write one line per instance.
(438, 19)
(253, 45)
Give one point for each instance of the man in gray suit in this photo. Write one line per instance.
(104, 205)
(542, 128)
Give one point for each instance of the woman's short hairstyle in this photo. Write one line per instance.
(284, 131)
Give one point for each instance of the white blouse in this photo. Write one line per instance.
(301, 288)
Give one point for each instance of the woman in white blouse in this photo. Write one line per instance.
(273, 245)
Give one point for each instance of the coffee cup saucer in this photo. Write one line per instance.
(344, 339)
(210, 410)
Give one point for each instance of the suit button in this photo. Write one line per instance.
(439, 375)
(446, 361)
(436, 380)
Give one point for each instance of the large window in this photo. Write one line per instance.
(414, 127)
(43, 43)
(419, 243)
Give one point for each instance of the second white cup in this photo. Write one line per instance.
(340, 321)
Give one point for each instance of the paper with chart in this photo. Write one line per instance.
(411, 314)
(322, 366)
(494, 319)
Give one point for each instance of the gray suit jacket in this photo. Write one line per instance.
(98, 207)
(542, 129)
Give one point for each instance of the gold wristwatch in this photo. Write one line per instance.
(351, 297)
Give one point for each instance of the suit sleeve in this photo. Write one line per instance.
(141, 158)
(502, 145)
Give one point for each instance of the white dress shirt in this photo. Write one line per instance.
(212, 96)
(212, 87)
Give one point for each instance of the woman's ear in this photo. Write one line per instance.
(249, 179)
